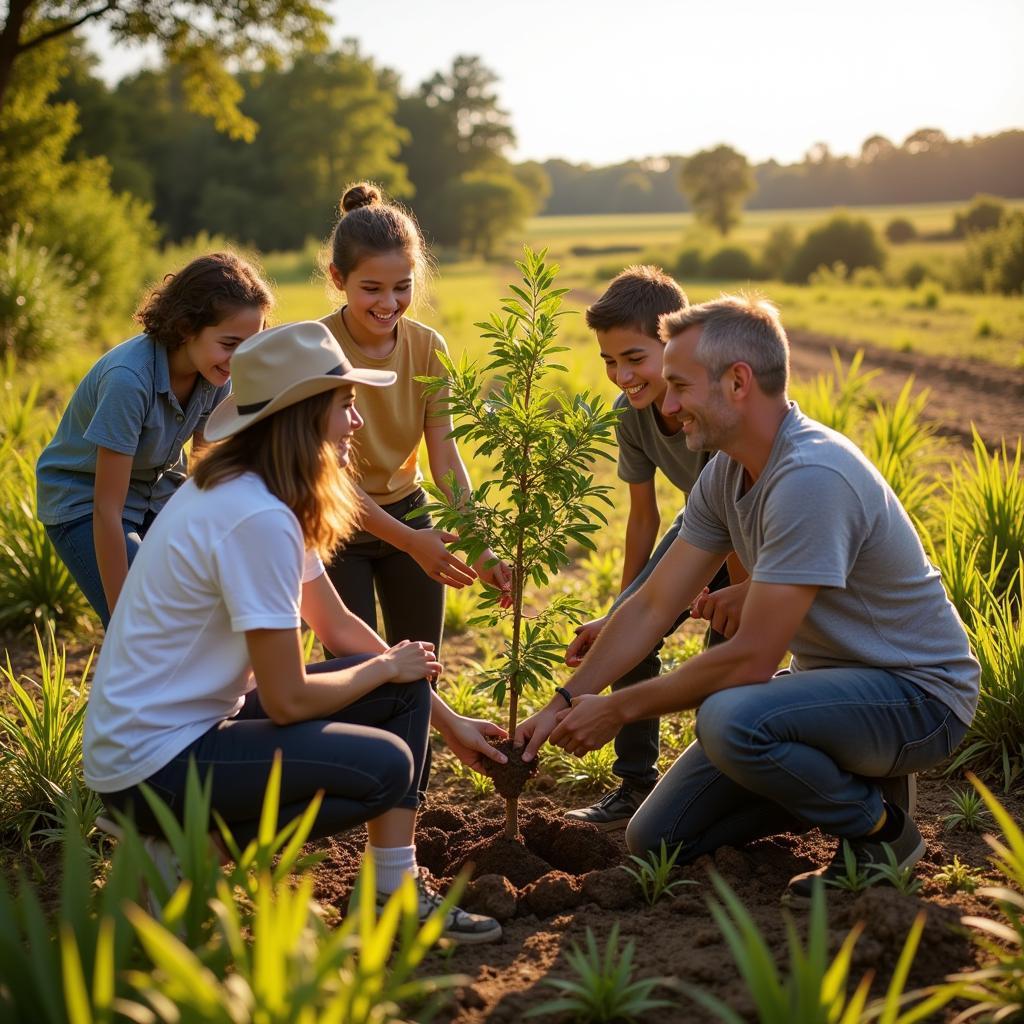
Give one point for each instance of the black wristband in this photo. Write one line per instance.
(564, 694)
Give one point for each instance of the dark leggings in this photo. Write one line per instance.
(411, 603)
(367, 759)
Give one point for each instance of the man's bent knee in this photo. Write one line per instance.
(725, 725)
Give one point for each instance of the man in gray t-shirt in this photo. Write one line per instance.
(882, 682)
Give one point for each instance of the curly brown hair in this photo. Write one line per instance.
(201, 294)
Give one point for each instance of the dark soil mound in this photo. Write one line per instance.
(510, 779)
(548, 842)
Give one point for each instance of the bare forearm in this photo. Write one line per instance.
(111, 553)
(323, 693)
(376, 521)
(350, 635)
(634, 628)
(641, 533)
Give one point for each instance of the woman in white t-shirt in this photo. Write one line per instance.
(203, 658)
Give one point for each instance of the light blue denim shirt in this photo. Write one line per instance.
(124, 403)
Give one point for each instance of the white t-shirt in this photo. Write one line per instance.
(214, 564)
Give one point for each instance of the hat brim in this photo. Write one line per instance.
(226, 421)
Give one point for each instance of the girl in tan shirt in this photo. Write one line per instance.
(377, 252)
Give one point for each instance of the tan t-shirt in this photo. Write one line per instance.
(387, 447)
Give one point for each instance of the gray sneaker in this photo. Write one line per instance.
(459, 924)
(907, 849)
(612, 811)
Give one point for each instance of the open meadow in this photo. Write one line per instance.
(929, 381)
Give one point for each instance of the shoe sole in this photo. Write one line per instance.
(474, 939)
(792, 899)
(604, 826)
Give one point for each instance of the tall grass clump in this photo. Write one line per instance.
(812, 990)
(996, 990)
(986, 497)
(259, 951)
(901, 446)
(35, 585)
(838, 399)
(994, 745)
(39, 298)
(41, 724)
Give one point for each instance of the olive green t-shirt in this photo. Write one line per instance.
(387, 447)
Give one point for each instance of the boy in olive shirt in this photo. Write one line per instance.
(625, 320)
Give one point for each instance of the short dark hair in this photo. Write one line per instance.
(637, 298)
(201, 294)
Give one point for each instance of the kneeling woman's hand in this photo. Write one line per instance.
(467, 740)
(411, 660)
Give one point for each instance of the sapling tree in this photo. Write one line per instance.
(541, 497)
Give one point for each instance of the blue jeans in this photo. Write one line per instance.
(801, 750)
(74, 544)
(366, 759)
(637, 744)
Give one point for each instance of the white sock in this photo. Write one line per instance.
(393, 863)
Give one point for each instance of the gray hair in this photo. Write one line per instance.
(737, 329)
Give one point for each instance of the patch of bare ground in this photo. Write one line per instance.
(543, 911)
(961, 391)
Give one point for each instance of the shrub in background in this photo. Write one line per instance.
(731, 263)
(984, 214)
(900, 230)
(40, 299)
(689, 263)
(994, 260)
(779, 249)
(851, 241)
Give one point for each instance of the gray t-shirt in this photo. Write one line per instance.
(821, 514)
(124, 403)
(643, 448)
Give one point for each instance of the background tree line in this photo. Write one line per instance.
(926, 167)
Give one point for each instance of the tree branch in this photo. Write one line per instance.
(70, 26)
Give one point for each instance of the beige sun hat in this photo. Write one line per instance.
(279, 367)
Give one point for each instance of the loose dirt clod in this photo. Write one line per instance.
(510, 779)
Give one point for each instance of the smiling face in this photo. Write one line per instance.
(378, 292)
(343, 421)
(209, 352)
(709, 420)
(633, 362)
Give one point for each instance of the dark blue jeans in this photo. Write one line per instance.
(637, 744)
(366, 758)
(73, 542)
(800, 750)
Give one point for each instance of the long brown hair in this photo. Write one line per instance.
(288, 451)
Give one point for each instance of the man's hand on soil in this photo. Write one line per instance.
(534, 731)
(591, 722)
(467, 738)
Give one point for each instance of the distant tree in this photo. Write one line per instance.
(454, 126)
(479, 209)
(537, 182)
(717, 182)
(875, 147)
(204, 38)
(925, 140)
(984, 214)
(994, 260)
(841, 239)
(900, 230)
(731, 263)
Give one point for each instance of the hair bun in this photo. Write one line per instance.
(363, 194)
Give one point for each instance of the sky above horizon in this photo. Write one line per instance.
(584, 82)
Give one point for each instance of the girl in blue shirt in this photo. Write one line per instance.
(118, 453)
